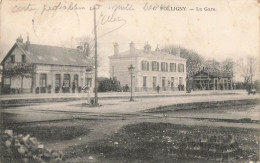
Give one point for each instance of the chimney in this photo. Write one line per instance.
(179, 52)
(132, 47)
(116, 49)
(19, 39)
(147, 48)
(27, 42)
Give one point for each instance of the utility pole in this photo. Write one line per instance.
(113, 70)
(96, 66)
(208, 79)
(131, 72)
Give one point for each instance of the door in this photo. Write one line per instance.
(145, 83)
(163, 83)
(66, 83)
(43, 83)
(75, 83)
(57, 83)
(172, 83)
(154, 82)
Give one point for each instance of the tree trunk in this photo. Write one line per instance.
(21, 84)
(32, 86)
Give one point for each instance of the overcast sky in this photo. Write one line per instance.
(231, 31)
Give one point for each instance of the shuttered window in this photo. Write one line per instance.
(172, 67)
(180, 67)
(145, 65)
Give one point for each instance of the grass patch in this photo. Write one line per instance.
(47, 131)
(148, 142)
(202, 105)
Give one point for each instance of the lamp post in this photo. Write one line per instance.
(131, 73)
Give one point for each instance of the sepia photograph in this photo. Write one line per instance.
(135, 81)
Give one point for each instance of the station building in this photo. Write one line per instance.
(151, 68)
(212, 80)
(57, 69)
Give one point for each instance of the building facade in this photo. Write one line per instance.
(207, 80)
(151, 69)
(57, 69)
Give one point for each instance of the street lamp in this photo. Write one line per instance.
(131, 68)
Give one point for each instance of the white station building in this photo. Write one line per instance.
(151, 68)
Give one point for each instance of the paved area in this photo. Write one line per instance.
(67, 110)
(113, 113)
(105, 95)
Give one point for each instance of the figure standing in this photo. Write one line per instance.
(126, 88)
(158, 88)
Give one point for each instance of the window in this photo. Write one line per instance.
(43, 80)
(57, 80)
(145, 65)
(23, 58)
(172, 82)
(89, 82)
(163, 66)
(180, 67)
(155, 66)
(154, 81)
(7, 81)
(166, 67)
(180, 81)
(172, 67)
(66, 81)
(144, 81)
(76, 81)
(163, 82)
(12, 59)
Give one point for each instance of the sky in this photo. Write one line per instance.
(229, 30)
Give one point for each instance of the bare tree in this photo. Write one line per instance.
(228, 65)
(247, 68)
(212, 65)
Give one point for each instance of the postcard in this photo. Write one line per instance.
(129, 81)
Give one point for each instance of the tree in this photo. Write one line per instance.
(109, 85)
(228, 65)
(21, 70)
(247, 68)
(212, 65)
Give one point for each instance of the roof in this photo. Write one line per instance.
(45, 54)
(215, 74)
(138, 52)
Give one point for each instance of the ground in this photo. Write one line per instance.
(89, 134)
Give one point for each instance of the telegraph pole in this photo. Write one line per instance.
(113, 70)
(96, 66)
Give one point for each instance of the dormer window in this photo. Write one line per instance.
(23, 58)
(12, 59)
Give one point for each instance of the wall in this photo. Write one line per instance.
(121, 64)
(50, 71)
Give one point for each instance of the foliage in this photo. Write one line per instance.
(109, 85)
(247, 68)
(20, 70)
